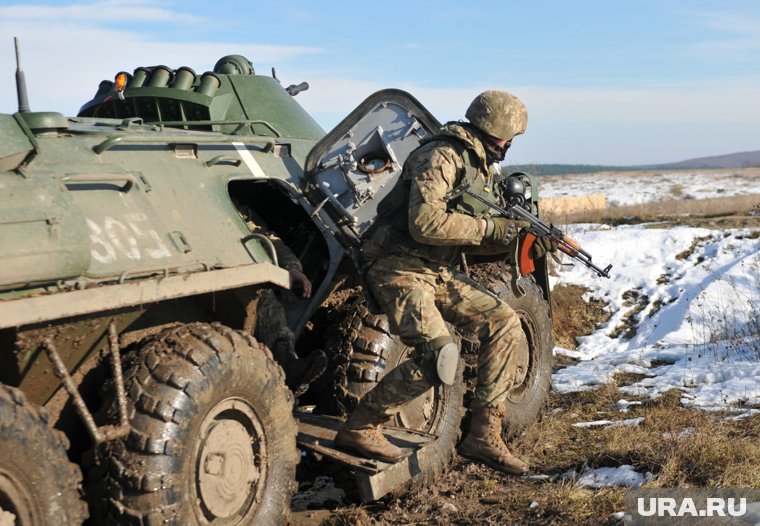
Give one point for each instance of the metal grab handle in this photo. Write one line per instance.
(269, 245)
(324, 186)
(268, 143)
(107, 144)
(223, 159)
(129, 180)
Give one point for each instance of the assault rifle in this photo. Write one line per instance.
(515, 210)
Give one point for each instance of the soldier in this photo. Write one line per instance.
(413, 252)
(268, 314)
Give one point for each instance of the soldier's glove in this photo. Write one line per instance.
(542, 245)
(502, 231)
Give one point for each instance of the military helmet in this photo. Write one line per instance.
(499, 114)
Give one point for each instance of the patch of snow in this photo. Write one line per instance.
(630, 422)
(741, 414)
(609, 424)
(697, 291)
(624, 405)
(595, 423)
(627, 189)
(566, 352)
(609, 476)
(686, 433)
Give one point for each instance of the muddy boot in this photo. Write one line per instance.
(484, 442)
(299, 372)
(361, 434)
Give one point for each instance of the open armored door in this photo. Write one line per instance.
(356, 165)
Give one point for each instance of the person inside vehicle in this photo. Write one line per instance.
(271, 327)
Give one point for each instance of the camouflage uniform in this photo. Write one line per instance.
(425, 225)
(415, 280)
(266, 308)
(265, 315)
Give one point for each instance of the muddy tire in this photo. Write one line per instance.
(526, 402)
(212, 436)
(38, 484)
(363, 351)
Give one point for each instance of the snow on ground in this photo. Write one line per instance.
(684, 304)
(626, 189)
(609, 476)
(607, 424)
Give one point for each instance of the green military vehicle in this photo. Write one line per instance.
(130, 391)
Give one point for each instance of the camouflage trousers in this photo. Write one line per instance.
(418, 300)
(270, 322)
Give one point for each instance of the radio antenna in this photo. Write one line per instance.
(23, 100)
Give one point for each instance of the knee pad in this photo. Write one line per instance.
(442, 355)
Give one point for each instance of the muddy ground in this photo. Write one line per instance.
(674, 446)
(677, 446)
(469, 493)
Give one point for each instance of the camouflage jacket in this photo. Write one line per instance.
(437, 230)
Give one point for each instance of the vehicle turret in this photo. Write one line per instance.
(231, 99)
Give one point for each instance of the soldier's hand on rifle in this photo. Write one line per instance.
(502, 231)
(542, 245)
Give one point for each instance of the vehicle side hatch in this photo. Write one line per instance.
(356, 165)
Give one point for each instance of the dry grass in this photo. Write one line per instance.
(567, 205)
(573, 316)
(681, 447)
(674, 211)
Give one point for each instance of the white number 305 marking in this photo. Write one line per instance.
(114, 238)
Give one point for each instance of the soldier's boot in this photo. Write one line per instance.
(485, 443)
(299, 372)
(361, 434)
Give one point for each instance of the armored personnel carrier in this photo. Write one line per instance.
(131, 388)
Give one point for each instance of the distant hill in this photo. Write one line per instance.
(732, 160)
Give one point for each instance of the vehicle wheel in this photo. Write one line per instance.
(212, 439)
(364, 350)
(526, 401)
(38, 484)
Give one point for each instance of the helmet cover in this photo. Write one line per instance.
(498, 114)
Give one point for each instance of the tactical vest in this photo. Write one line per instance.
(394, 208)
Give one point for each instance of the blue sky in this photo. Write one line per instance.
(605, 82)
